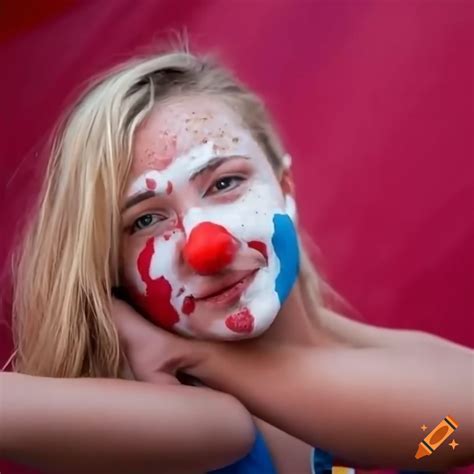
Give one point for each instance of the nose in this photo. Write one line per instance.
(209, 248)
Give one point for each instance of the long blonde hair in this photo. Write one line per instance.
(68, 263)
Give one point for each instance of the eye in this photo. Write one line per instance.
(145, 221)
(226, 183)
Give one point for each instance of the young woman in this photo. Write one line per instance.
(168, 186)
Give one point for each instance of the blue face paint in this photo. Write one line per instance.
(285, 243)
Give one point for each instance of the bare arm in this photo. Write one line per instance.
(108, 425)
(363, 394)
(364, 404)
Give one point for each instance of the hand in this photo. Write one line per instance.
(153, 355)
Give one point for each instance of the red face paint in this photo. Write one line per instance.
(260, 246)
(287, 186)
(240, 322)
(157, 300)
(169, 187)
(210, 248)
(188, 305)
(150, 184)
(179, 223)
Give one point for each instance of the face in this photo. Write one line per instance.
(209, 249)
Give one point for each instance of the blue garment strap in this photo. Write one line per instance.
(322, 462)
(257, 461)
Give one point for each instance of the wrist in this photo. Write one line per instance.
(222, 364)
(198, 357)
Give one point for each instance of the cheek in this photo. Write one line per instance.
(155, 301)
(128, 263)
(286, 248)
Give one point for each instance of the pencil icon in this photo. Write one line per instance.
(436, 437)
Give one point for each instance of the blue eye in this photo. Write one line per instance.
(226, 183)
(145, 221)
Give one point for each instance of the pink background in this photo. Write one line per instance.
(373, 98)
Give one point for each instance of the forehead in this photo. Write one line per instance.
(178, 125)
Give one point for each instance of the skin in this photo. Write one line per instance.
(152, 208)
(118, 426)
(342, 374)
(199, 218)
(206, 429)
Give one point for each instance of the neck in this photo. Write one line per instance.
(297, 322)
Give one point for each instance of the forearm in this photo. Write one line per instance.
(106, 425)
(365, 405)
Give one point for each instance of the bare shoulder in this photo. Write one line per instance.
(355, 333)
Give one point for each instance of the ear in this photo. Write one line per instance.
(288, 188)
(286, 183)
(286, 179)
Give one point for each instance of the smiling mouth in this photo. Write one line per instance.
(229, 295)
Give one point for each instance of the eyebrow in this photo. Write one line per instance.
(137, 198)
(214, 163)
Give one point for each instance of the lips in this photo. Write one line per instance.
(229, 294)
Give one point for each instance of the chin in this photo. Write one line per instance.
(229, 336)
(236, 326)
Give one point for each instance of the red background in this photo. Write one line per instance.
(373, 98)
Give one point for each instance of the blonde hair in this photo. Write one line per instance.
(68, 262)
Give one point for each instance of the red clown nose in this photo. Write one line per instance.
(209, 248)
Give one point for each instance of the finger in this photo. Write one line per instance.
(162, 378)
(132, 328)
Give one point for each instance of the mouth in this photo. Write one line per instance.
(228, 295)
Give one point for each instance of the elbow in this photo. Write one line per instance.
(246, 431)
(237, 435)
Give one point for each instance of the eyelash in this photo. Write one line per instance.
(238, 179)
(156, 217)
(135, 227)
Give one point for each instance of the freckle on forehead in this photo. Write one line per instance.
(159, 151)
(176, 127)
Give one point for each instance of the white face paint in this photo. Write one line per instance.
(212, 251)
